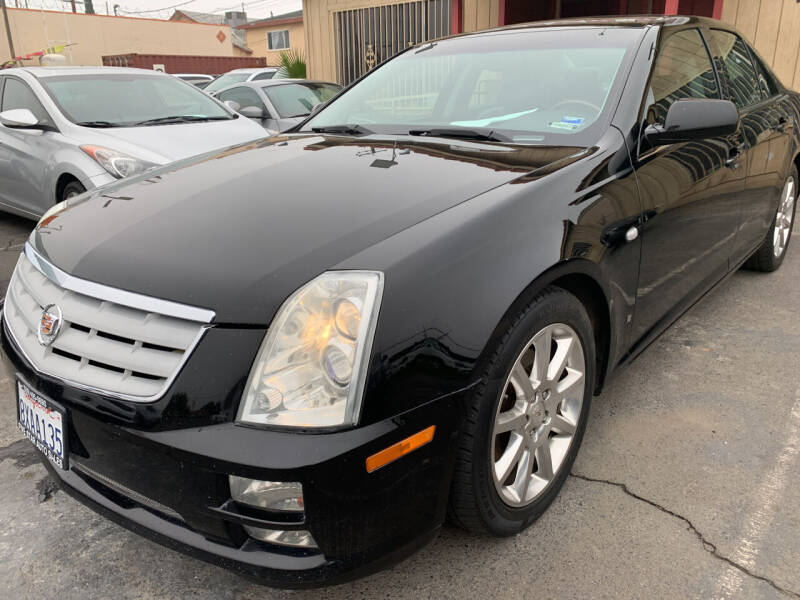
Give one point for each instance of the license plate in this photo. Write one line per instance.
(44, 423)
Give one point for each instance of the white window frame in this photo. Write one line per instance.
(278, 31)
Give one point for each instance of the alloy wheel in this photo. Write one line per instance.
(538, 414)
(783, 220)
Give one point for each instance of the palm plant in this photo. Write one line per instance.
(293, 64)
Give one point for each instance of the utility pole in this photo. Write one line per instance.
(8, 30)
(73, 6)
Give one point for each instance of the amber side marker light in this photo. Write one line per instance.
(401, 448)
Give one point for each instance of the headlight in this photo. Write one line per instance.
(311, 368)
(117, 163)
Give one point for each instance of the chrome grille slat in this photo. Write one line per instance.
(106, 316)
(120, 350)
(125, 356)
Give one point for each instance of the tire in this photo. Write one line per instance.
(73, 188)
(770, 255)
(479, 500)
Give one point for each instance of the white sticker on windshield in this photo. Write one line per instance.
(563, 125)
(488, 121)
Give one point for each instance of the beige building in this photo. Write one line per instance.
(269, 37)
(90, 37)
(344, 38)
(233, 19)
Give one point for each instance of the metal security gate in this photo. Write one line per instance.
(366, 37)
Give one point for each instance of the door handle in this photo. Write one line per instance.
(734, 156)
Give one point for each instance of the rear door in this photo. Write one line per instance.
(689, 191)
(24, 153)
(767, 126)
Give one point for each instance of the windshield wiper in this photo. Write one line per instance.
(343, 129)
(180, 119)
(100, 124)
(467, 134)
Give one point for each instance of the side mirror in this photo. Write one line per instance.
(232, 105)
(694, 119)
(19, 118)
(253, 112)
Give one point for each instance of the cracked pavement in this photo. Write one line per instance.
(686, 486)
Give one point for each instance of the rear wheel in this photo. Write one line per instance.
(526, 420)
(772, 252)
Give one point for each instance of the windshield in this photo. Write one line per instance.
(297, 99)
(127, 100)
(527, 86)
(226, 80)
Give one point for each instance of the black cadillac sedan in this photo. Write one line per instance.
(295, 358)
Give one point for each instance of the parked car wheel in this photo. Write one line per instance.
(526, 420)
(73, 188)
(770, 255)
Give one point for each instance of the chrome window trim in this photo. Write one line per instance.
(117, 296)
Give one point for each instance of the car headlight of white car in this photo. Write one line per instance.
(117, 163)
(311, 368)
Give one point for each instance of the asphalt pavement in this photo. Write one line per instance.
(687, 486)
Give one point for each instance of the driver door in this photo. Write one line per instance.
(690, 192)
(24, 153)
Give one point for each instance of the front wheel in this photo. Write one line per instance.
(72, 189)
(770, 255)
(526, 420)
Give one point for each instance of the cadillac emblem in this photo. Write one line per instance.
(49, 324)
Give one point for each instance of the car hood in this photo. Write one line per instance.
(163, 144)
(237, 231)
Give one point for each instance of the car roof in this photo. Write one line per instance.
(273, 82)
(254, 70)
(67, 71)
(619, 21)
(270, 83)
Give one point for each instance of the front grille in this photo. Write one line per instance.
(103, 345)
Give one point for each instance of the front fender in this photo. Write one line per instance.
(451, 280)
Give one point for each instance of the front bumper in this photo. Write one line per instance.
(172, 485)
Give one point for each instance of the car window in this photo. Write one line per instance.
(242, 96)
(126, 100)
(264, 75)
(766, 81)
(298, 99)
(527, 86)
(742, 75)
(17, 94)
(682, 69)
(224, 81)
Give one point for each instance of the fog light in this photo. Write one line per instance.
(269, 495)
(298, 538)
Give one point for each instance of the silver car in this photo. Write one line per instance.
(240, 76)
(277, 104)
(64, 130)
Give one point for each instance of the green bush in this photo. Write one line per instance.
(293, 64)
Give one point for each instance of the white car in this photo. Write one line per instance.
(240, 76)
(65, 130)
